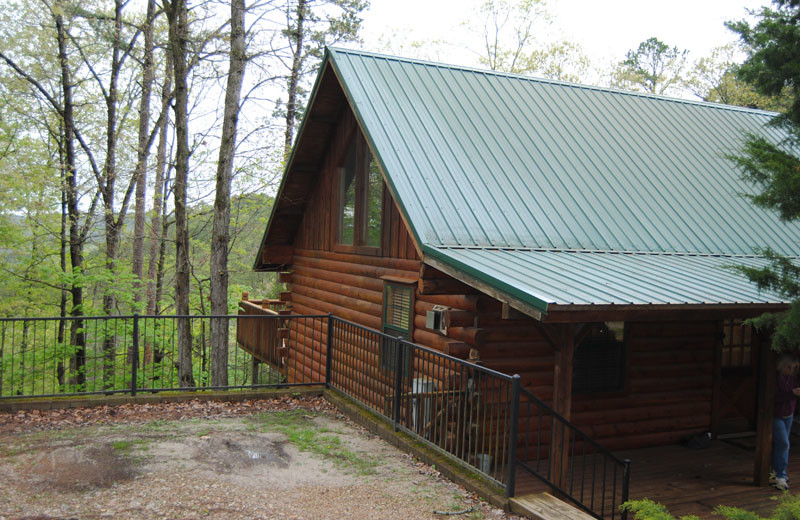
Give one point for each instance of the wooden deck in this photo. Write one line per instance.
(696, 481)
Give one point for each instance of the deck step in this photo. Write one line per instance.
(544, 506)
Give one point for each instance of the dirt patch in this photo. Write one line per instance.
(298, 460)
(77, 468)
(227, 453)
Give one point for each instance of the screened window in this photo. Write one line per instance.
(360, 198)
(599, 361)
(737, 347)
(398, 305)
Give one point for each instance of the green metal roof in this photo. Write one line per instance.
(479, 158)
(560, 193)
(543, 278)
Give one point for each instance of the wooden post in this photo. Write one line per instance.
(562, 404)
(766, 408)
(717, 381)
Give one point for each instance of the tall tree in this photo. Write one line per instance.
(508, 31)
(222, 204)
(178, 16)
(773, 68)
(142, 152)
(311, 25)
(652, 67)
(713, 78)
(511, 32)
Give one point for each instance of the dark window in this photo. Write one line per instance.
(737, 347)
(398, 306)
(599, 361)
(360, 198)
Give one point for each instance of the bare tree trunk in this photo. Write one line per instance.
(222, 205)
(61, 369)
(178, 35)
(77, 336)
(157, 213)
(141, 157)
(296, 33)
(110, 175)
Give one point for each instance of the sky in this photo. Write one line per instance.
(606, 29)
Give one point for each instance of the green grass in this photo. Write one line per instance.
(11, 451)
(300, 429)
(125, 447)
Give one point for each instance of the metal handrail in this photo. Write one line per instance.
(601, 497)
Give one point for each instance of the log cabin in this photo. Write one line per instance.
(581, 237)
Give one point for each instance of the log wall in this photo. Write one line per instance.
(669, 392)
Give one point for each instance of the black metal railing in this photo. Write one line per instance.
(48, 357)
(482, 417)
(458, 407)
(559, 454)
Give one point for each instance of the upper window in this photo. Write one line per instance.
(599, 360)
(360, 197)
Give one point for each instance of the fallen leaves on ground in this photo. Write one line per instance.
(35, 420)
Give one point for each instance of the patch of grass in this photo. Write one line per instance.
(125, 447)
(300, 429)
(11, 451)
(56, 435)
(157, 425)
(122, 446)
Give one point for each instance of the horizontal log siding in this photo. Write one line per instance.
(348, 285)
(669, 394)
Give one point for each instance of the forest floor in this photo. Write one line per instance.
(288, 458)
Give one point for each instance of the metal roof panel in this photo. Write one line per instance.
(483, 159)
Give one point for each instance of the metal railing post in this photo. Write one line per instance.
(626, 480)
(329, 353)
(135, 355)
(512, 441)
(398, 383)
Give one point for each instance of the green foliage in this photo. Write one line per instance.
(773, 68)
(652, 67)
(648, 510)
(714, 79)
(773, 64)
(788, 508)
(776, 172)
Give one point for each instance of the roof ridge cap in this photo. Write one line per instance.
(536, 79)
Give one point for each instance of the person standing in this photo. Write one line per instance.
(786, 393)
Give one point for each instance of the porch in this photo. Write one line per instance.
(694, 481)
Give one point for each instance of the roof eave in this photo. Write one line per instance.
(257, 265)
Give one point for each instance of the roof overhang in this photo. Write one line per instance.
(303, 169)
(568, 286)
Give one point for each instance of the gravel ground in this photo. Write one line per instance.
(274, 459)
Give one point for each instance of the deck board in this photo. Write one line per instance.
(694, 481)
